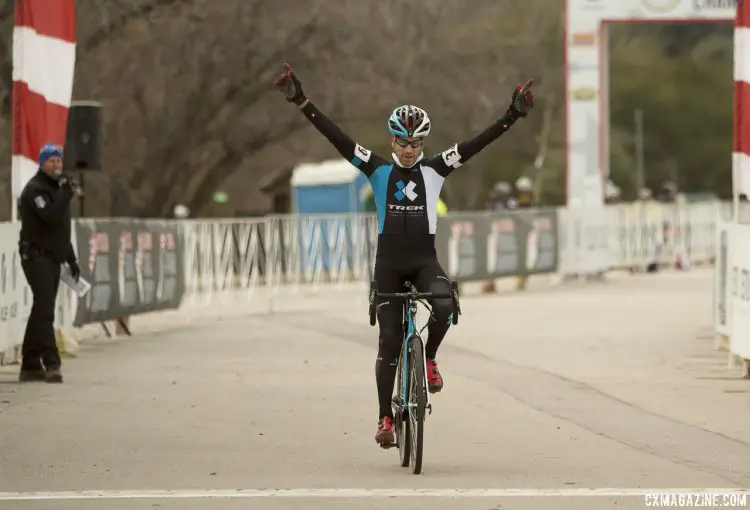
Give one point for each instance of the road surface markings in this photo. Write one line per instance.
(353, 493)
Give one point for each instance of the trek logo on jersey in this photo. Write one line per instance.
(362, 153)
(405, 190)
(394, 207)
(451, 157)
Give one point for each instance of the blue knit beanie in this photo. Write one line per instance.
(48, 151)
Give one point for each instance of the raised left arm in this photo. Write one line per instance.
(521, 103)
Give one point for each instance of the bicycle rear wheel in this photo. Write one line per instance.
(400, 416)
(417, 402)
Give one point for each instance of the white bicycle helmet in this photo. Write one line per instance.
(408, 121)
(524, 184)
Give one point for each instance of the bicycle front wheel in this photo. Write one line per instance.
(417, 402)
(400, 415)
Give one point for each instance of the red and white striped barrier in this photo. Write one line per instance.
(44, 56)
(742, 95)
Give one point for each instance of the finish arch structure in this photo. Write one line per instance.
(586, 79)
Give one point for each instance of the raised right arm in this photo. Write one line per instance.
(357, 155)
(329, 129)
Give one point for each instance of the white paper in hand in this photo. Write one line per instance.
(80, 287)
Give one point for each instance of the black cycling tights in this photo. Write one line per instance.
(429, 277)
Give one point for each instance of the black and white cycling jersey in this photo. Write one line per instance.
(405, 198)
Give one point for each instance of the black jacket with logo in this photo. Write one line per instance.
(44, 210)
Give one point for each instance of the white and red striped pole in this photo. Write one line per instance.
(741, 150)
(44, 56)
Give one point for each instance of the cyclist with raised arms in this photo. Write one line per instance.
(406, 188)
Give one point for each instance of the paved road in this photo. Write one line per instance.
(606, 385)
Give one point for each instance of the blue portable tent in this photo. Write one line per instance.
(321, 193)
(329, 187)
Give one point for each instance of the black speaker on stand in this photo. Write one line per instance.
(83, 142)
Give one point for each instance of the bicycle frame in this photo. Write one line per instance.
(412, 449)
(411, 299)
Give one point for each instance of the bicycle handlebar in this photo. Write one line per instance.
(415, 295)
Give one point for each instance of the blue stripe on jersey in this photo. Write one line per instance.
(356, 161)
(379, 182)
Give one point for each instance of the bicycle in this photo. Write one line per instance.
(413, 400)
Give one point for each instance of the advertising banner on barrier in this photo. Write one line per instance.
(739, 281)
(16, 297)
(12, 286)
(134, 266)
(722, 288)
(584, 232)
(476, 246)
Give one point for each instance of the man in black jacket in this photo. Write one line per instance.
(44, 210)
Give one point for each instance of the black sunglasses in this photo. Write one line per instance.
(403, 142)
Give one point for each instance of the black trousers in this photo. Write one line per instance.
(39, 346)
(427, 276)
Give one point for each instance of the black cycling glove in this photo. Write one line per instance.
(288, 83)
(75, 270)
(522, 101)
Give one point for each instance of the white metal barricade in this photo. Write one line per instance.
(731, 309)
(583, 242)
(222, 256)
(12, 289)
(16, 296)
(634, 236)
(253, 260)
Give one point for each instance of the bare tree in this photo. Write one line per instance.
(98, 22)
(187, 85)
(468, 83)
(6, 86)
(189, 103)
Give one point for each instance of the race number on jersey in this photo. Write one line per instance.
(362, 153)
(452, 158)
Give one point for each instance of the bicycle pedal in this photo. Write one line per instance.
(429, 408)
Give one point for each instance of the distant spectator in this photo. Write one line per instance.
(647, 218)
(668, 192)
(612, 192)
(500, 198)
(524, 192)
